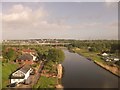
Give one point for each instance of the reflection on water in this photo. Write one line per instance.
(82, 73)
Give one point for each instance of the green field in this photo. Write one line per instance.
(46, 82)
(7, 69)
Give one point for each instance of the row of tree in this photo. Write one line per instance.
(112, 46)
(44, 52)
(99, 46)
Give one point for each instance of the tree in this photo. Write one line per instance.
(118, 63)
(42, 52)
(56, 55)
(70, 47)
(92, 49)
(4, 52)
(11, 54)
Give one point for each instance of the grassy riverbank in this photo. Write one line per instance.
(47, 79)
(46, 82)
(97, 59)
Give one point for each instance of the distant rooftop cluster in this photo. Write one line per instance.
(34, 41)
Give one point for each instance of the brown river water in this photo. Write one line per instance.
(79, 72)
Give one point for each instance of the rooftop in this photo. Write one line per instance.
(25, 57)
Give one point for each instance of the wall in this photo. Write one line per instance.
(16, 80)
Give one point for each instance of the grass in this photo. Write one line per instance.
(7, 69)
(91, 55)
(45, 82)
(0, 74)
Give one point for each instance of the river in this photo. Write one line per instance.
(79, 72)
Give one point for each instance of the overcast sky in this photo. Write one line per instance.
(63, 20)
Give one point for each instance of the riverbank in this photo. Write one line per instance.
(114, 69)
(50, 79)
(46, 82)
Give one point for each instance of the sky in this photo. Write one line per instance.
(60, 20)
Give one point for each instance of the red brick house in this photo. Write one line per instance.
(25, 59)
(28, 51)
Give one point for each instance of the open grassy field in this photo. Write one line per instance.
(91, 55)
(7, 69)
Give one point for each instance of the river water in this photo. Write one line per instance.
(79, 72)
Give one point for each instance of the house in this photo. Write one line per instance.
(21, 75)
(108, 60)
(26, 59)
(34, 57)
(28, 51)
(104, 54)
(116, 59)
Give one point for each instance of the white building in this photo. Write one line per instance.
(34, 57)
(116, 59)
(21, 75)
(107, 60)
(104, 54)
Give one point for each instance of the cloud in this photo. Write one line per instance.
(21, 13)
(23, 19)
(88, 25)
(108, 29)
(0, 27)
(23, 22)
(112, 0)
(111, 3)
